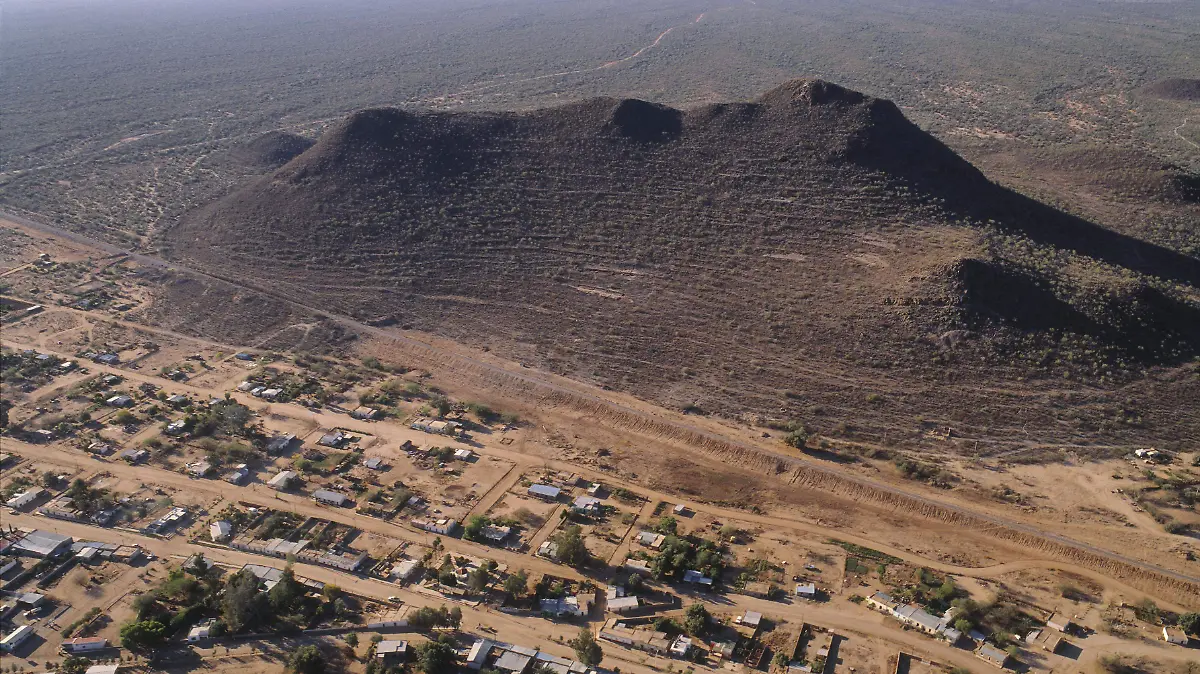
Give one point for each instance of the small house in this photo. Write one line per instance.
(119, 401)
(238, 475)
(390, 651)
(25, 498)
(366, 414)
(637, 566)
(586, 505)
(548, 549)
(200, 469)
(375, 463)
(31, 599)
(992, 655)
(283, 481)
(443, 527)
(335, 439)
(15, 638)
(40, 543)
(681, 647)
(328, 497)
(133, 455)
(651, 539)
(220, 530)
(280, 443)
(544, 492)
(1174, 635)
(84, 644)
(806, 591)
(200, 632)
(623, 605)
(496, 534)
(1060, 622)
(404, 570)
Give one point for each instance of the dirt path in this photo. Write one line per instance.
(1180, 137)
(502, 82)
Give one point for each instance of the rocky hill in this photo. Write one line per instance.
(810, 255)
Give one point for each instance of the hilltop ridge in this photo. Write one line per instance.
(766, 257)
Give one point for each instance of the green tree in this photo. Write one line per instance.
(74, 664)
(436, 657)
(352, 640)
(797, 438)
(473, 529)
(454, 617)
(143, 636)
(1190, 623)
(286, 593)
(963, 625)
(517, 584)
(1146, 610)
(696, 619)
(587, 651)
(307, 660)
(243, 606)
(667, 525)
(946, 591)
(634, 584)
(478, 580)
(571, 548)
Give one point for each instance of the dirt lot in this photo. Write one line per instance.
(106, 586)
(866, 655)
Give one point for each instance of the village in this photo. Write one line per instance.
(149, 478)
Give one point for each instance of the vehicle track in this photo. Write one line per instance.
(798, 472)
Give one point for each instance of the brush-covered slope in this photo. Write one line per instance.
(786, 256)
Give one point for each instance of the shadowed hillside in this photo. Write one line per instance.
(783, 257)
(271, 150)
(1177, 89)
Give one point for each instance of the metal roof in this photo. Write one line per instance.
(42, 543)
(544, 490)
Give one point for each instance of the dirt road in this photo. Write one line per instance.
(526, 631)
(392, 435)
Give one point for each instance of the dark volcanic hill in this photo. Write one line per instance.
(1177, 89)
(271, 150)
(791, 257)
